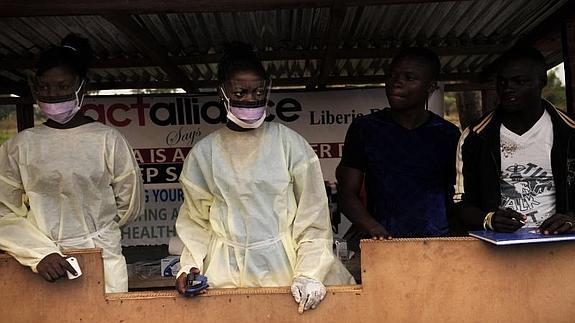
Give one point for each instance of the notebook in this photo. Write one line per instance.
(523, 235)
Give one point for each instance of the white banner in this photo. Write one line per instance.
(162, 130)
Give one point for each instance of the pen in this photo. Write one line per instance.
(522, 221)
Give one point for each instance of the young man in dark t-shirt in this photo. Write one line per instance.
(404, 155)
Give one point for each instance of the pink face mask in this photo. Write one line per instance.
(65, 110)
(248, 115)
(61, 112)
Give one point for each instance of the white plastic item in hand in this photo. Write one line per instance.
(74, 262)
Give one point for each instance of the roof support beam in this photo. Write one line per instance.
(337, 15)
(440, 51)
(8, 86)
(273, 56)
(151, 49)
(362, 80)
(11, 8)
(465, 87)
(374, 79)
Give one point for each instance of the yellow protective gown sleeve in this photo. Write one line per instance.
(81, 183)
(13, 218)
(127, 182)
(311, 230)
(255, 210)
(193, 223)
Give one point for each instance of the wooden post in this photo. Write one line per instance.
(337, 15)
(24, 116)
(468, 106)
(488, 100)
(568, 42)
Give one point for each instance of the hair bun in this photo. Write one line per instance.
(80, 45)
(239, 56)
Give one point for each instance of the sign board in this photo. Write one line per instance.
(163, 129)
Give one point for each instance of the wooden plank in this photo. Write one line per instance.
(464, 280)
(404, 280)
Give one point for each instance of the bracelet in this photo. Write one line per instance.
(487, 221)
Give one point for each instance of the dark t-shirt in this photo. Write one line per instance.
(409, 174)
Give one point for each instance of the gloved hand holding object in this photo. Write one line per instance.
(307, 292)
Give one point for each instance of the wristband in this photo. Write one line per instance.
(487, 221)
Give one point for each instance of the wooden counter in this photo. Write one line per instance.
(404, 280)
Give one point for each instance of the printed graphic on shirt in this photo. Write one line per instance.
(508, 149)
(524, 188)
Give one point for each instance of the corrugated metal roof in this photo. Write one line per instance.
(467, 25)
(206, 32)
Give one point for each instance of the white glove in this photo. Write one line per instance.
(307, 292)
